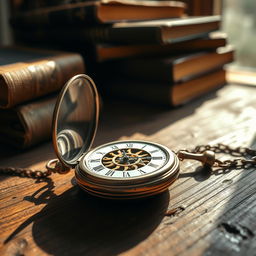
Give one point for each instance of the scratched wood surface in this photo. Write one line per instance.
(208, 215)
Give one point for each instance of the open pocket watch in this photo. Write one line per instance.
(120, 169)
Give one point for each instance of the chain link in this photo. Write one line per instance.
(53, 166)
(25, 172)
(248, 160)
(248, 155)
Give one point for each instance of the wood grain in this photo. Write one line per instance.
(208, 215)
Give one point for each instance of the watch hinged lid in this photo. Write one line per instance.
(75, 119)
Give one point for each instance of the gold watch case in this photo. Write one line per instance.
(126, 187)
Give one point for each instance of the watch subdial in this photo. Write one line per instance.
(126, 159)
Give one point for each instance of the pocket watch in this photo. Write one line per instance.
(120, 169)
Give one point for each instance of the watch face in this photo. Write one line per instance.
(127, 169)
(127, 159)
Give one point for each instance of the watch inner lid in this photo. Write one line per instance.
(75, 119)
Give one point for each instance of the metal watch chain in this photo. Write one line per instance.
(202, 153)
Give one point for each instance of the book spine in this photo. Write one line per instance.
(27, 124)
(21, 82)
(36, 119)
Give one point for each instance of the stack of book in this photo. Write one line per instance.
(139, 50)
(150, 49)
(29, 81)
(168, 80)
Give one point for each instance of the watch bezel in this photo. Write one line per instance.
(171, 164)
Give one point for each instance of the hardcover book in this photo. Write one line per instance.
(152, 31)
(106, 52)
(27, 73)
(163, 31)
(172, 68)
(105, 11)
(165, 93)
(27, 124)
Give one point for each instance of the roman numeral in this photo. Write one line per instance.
(153, 165)
(114, 147)
(144, 146)
(129, 145)
(126, 174)
(95, 160)
(141, 171)
(157, 158)
(109, 173)
(153, 151)
(98, 168)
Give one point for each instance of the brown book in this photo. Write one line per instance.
(173, 68)
(27, 73)
(105, 52)
(163, 31)
(165, 93)
(105, 11)
(27, 124)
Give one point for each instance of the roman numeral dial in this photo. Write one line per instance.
(126, 159)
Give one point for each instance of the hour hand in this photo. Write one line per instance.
(123, 153)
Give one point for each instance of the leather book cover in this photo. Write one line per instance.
(171, 68)
(27, 73)
(27, 124)
(94, 12)
(164, 31)
(165, 93)
(110, 52)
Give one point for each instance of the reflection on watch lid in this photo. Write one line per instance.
(75, 119)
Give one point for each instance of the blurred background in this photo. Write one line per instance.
(239, 21)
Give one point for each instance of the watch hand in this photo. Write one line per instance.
(123, 153)
(146, 157)
(124, 158)
(143, 157)
(141, 162)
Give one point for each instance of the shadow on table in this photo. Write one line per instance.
(76, 223)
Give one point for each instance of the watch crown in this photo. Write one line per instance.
(206, 158)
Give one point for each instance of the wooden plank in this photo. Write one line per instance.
(214, 215)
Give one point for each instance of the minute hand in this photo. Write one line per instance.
(141, 157)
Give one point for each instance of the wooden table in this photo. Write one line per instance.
(207, 215)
